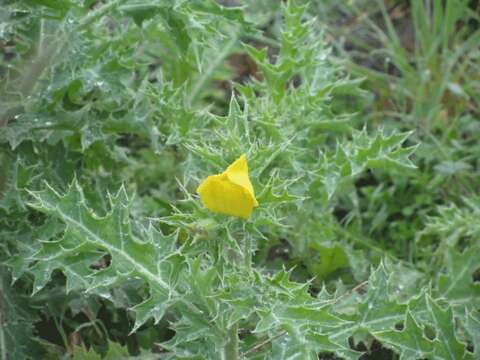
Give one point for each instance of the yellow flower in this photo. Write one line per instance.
(230, 192)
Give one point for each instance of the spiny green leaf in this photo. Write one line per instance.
(16, 322)
(448, 345)
(377, 311)
(363, 152)
(454, 222)
(153, 258)
(457, 285)
(410, 342)
(321, 343)
(473, 327)
(115, 352)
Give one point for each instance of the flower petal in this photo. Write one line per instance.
(237, 173)
(230, 192)
(221, 195)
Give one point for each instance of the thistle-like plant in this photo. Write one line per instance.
(105, 240)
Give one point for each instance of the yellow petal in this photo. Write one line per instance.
(237, 173)
(231, 192)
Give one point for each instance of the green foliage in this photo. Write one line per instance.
(115, 352)
(458, 285)
(16, 322)
(410, 342)
(112, 113)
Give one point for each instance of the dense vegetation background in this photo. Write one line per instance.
(360, 121)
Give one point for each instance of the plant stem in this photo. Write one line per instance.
(3, 343)
(45, 53)
(62, 333)
(230, 351)
(98, 13)
(208, 73)
(247, 251)
(265, 342)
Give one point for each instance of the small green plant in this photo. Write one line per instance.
(115, 113)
